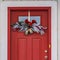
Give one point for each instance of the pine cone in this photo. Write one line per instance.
(26, 32)
(31, 31)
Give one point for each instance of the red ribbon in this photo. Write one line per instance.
(30, 23)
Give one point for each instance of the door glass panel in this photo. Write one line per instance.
(37, 18)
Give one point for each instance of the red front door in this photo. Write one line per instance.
(33, 46)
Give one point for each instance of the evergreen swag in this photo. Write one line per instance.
(28, 27)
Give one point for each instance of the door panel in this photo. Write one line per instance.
(29, 49)
(21, 51)
(36, 49)
(33, 46)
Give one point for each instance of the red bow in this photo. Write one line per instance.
(30, 23)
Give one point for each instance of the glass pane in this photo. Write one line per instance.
(37, 18)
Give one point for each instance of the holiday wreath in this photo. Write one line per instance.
(28, 27)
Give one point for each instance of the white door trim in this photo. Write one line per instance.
(4, 20)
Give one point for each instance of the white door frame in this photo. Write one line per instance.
(4, 20)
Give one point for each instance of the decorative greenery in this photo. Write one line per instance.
(28, 27)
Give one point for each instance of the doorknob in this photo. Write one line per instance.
(46, 57)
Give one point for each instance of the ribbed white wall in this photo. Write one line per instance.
(28, 0)
(58, 29)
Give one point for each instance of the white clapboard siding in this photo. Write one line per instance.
(28, 0)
